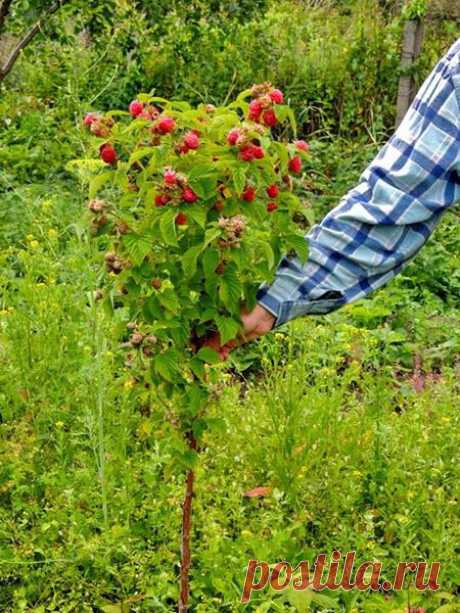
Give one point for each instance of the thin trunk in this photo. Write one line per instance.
(186, 531)
(413, 36)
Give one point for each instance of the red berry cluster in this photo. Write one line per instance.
(249, 195)
(108, 154)
(272, 192)
(175, 189)
(190, 142)
(261, 107)
(98, 124)
(164, 125)
(138, 109)
(248, 149)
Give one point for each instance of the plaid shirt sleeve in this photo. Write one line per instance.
(383, 222)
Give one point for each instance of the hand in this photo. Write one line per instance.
(255, 323)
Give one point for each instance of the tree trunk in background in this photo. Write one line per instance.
(412, 44)
(6, 67)
(4, 10)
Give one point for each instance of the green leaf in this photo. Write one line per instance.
(299, 244)
(165, 364)
(189, 459)
(180, 105)
(205, 187)
(98, 181)
(202, 170)
(206, 354)
(137, 247)
(112, 608)
(300, 600)
(210, 261)
(196, 398)
(151, 309)
(203, 180)
(324, 601)
(230, 289)
(244, 94)
(158, 159)
(211, 234)
(153, 99)
(189, 260)
(168, 299)
(140, 153)
(228, 328)
(198, 213)
(168, 227)
(267, 250)
(447, 608)
(239, 179)
(198, 368)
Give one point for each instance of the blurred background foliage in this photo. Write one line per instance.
(336, 61)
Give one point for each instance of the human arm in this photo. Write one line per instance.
(381, 224)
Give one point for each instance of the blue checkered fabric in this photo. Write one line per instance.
(383, 222)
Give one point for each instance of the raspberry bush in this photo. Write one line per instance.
(197, 206)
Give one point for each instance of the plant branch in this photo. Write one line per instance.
(28, 37)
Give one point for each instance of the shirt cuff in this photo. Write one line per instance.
(284, 310)
(271, 304)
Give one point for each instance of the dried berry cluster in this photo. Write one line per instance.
(114, 263)
(233, 228)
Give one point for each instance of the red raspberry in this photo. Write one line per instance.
(295, 164)
(277, 96)
(89, 119)
(188, 195)
(136, 108)
(170, 177)
(247, 153)
(182, 148)
(162, 199)
(270, 118)
(108, 153)
(258, 152)
(165, 125)
(272, 191)
(181, 219)
(192, 140)
(255, 109)
(301, 145)
(233, 136)
(151, 112)
(249, 194)
(145, 114)
(271, 206)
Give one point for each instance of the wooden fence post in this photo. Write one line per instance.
(412, 44)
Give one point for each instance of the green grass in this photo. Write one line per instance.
(351, 419)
